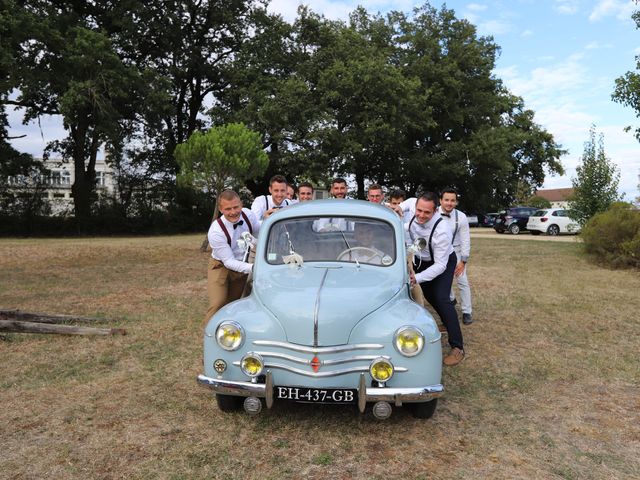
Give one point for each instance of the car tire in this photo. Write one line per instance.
(535, 232)
(514, 229)
(229, 403)
(553, 230)
(423, 409)
(499, 231)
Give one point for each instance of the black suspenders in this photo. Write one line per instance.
(430, 236)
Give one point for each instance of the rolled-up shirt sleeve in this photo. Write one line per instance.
(223, 252)
(441, 245)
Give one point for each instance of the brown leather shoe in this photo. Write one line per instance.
(455, 356)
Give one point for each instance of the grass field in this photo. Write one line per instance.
(549, 388)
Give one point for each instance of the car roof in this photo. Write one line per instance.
(338, 208)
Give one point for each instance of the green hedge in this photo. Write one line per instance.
(155, 223)
(613, 237)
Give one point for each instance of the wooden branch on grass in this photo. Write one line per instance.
(18, 321)
(16, 326)
(45, 317)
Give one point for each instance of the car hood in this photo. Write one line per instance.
(339, 296)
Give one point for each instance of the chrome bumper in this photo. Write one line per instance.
(397, 396)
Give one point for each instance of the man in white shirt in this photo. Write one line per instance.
(459, 225)
(338, 188)
(265, 205)
(291, 192)
(434, 267)
(227, 270)
(405, 209)
(305, 192)
(374, 193)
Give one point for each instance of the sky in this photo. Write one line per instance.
(561, 56)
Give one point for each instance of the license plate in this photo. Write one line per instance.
(316, 395)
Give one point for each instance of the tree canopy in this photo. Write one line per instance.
(405, 100)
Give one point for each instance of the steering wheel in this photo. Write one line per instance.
(364, 249)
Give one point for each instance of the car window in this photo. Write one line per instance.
(332, 239)
(561, 213)
(539, 213)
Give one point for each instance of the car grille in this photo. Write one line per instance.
(340, 359)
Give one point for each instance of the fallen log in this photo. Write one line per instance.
(16, 326)
(45, 317)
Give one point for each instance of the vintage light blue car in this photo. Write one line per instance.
(330, 318)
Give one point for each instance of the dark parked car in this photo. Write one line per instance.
(514, 220)
(488, 219)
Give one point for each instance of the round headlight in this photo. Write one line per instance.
(409, 341)
(252, 364)
(229, 335)
(381, 369)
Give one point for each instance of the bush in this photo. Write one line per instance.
(613, 236)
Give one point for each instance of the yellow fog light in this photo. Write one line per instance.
(229, 335)
(381, 370)
(409, 341)
(252, 364)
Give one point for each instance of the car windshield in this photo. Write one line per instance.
(342, 239)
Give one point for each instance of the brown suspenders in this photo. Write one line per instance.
(226, 232)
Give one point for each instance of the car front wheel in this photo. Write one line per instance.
(228, 403)
(553, 230)
(423, 409)
(514, 229)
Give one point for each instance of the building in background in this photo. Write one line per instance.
(558, 197)
(56, 183)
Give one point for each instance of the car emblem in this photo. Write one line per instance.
(315, 363)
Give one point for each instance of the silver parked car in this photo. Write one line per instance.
(329, 319)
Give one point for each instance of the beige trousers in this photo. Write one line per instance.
(223, 286)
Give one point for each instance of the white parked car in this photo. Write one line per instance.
(552, 221)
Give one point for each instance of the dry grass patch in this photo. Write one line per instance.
(549, 388)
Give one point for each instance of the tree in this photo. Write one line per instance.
(190, 46)
(64, 66)
(274, 92)
(475, 135)
(223, 157)
(596, 182)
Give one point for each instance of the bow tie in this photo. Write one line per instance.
(236, 225)
(446, 215)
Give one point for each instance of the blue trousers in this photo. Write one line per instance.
(437, 292)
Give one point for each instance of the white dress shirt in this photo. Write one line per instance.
(265, 202)
(462, 237)
(440, 243)
(408, 207)
(231, 255)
